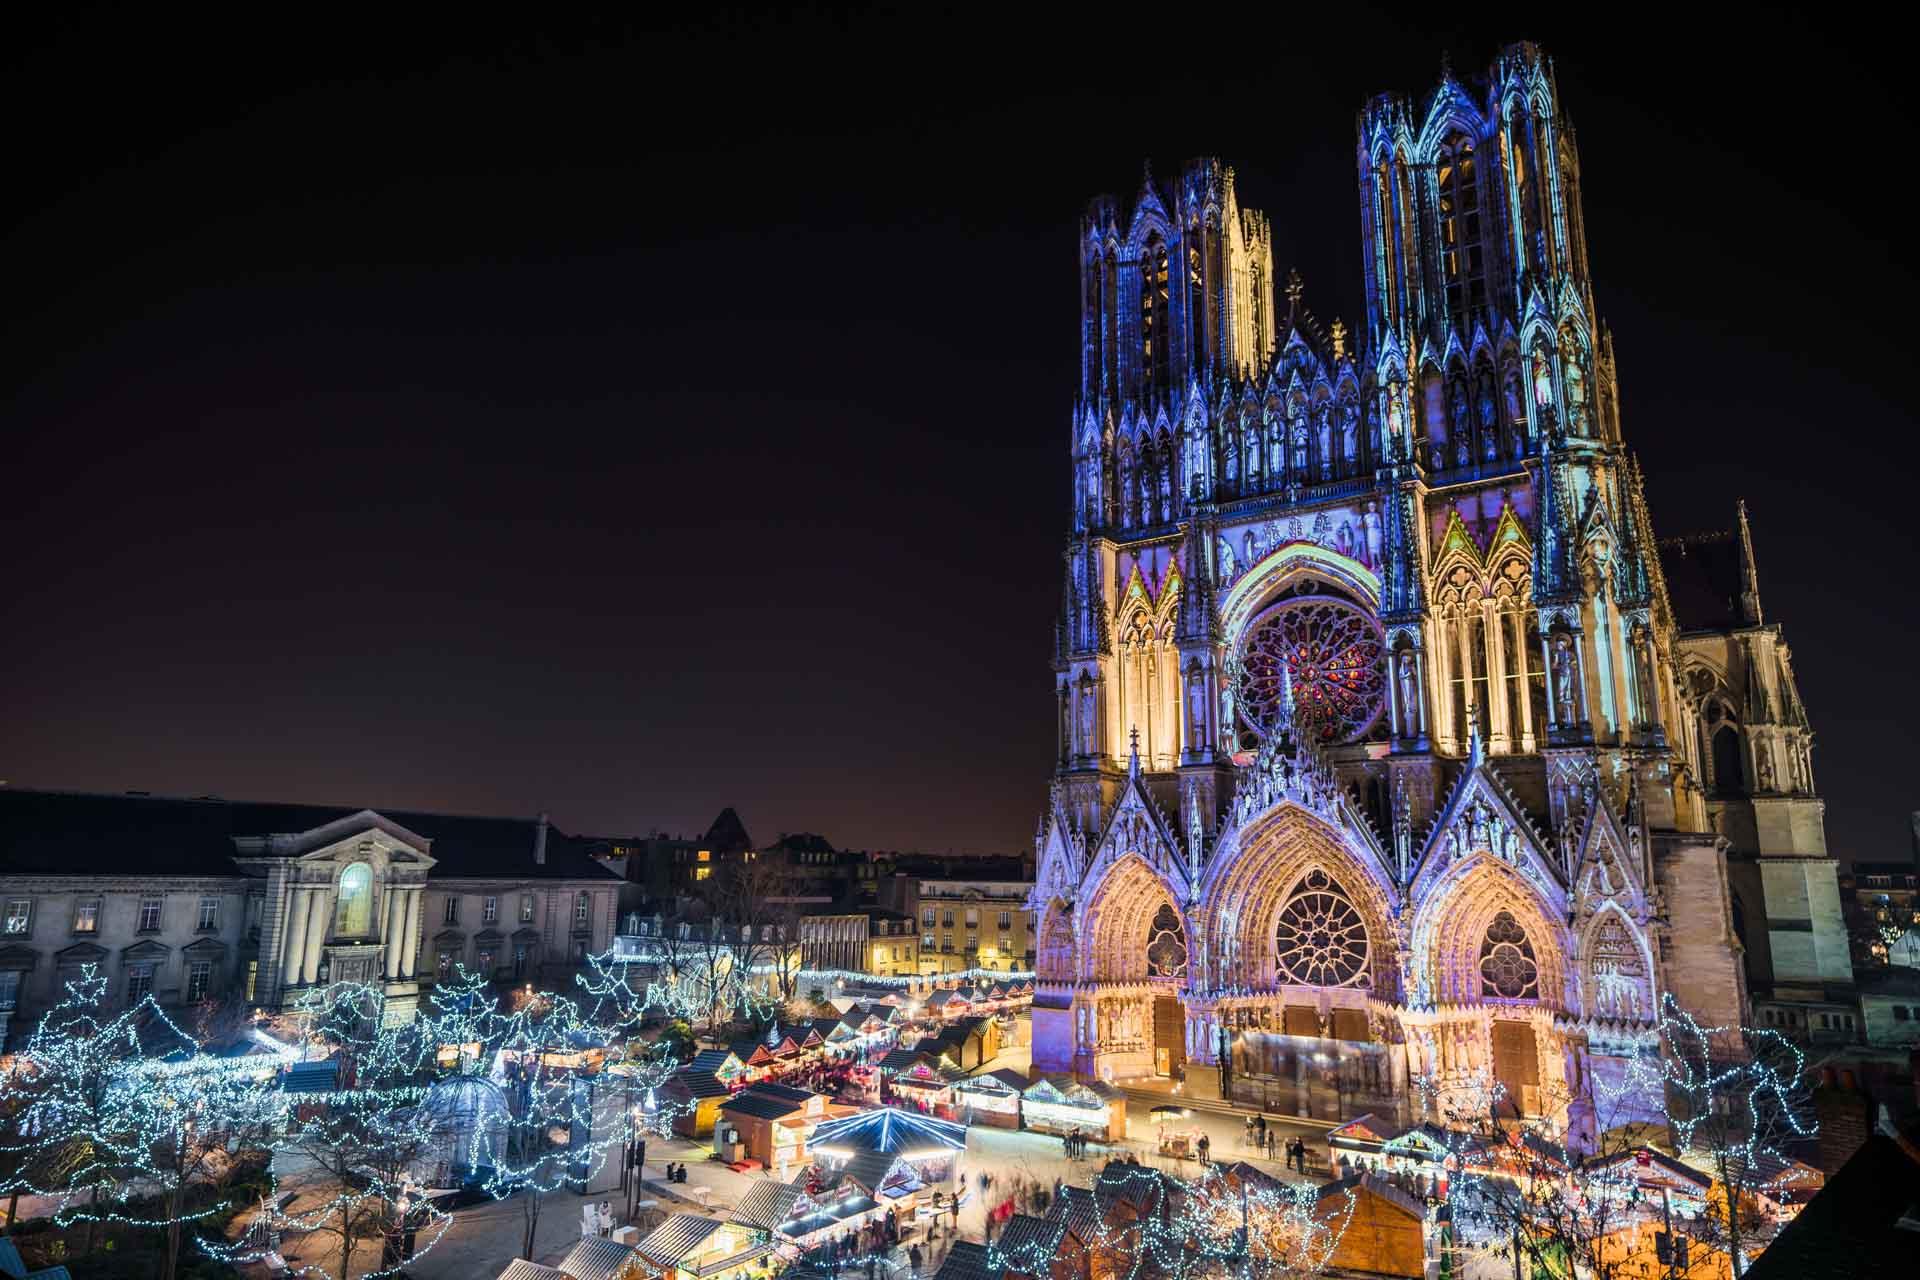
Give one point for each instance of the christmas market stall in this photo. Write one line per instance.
(771, 1125)
(891, 1156)
(688, 1245)
(991, 1098)
(920, 1079)
(1372, 1143)
(697, 1097)
(1061, 1104)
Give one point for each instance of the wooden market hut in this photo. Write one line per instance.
(1061, 1104)
(697, 1097)
(991, 1098)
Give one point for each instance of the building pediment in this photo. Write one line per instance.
(19, 957)
(81, 953)
(147, 950)
(354, 835)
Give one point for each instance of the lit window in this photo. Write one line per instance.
(489, 910)
(452, 915)
(705, 855)
(526, 908)
(354, 916)
(253, 978)
(209, 914)
(199, 978)
(1462, 257)
(486, 964)
(973, 917)
(149, 915)
(973, 942)
(701, 873)
(86, 916)
(582, 909)
(139, 982)
(19, 915)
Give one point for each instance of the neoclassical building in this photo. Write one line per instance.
(1388, 762)
(203, 900)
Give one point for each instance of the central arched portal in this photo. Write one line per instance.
(1302, 937)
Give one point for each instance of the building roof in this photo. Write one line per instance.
(712, 1059)
(674, 1239)
(1078, 1210)
(890, 1129)
(728, 834)
(766, 1205)
(968, 1261)
(785, 1092)
(598, 1258)
(1028, 1243)
(698, 1084)
(79, 833)
(521, 1269)
(1865, 1222)
(752, 1102)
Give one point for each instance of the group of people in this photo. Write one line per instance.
(676, 1172)
(596, 1219)
(1261, 1136)
(1074, 1144)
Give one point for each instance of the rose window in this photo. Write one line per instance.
(1321, 940)
(1507, 965)
(1167, 945)
(1324, 655)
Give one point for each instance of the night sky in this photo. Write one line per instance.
(627, 423)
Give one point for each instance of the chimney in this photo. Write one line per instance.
(540, 842)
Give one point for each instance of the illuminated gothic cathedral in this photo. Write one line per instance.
(1385, 760)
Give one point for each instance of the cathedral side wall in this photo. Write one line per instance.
(1699, 964)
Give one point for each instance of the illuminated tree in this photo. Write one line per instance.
(1739, 1104)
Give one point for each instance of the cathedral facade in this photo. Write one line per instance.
(1386, 767)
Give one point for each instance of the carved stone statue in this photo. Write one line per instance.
(1576, 397)
(1563, 698)
(1542, 380)
(1409, 695)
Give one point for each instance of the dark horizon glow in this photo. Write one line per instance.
(627, 424)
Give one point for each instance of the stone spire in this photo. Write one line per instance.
(1750, 612)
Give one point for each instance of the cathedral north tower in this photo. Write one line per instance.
(1377, 728)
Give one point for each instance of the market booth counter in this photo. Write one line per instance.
(1061, 1104)
(992, 1098)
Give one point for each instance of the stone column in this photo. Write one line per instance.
(392, 916)
(299, 905)
(316, 934)
(411, 928)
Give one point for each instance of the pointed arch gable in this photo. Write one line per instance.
(1478, 819)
